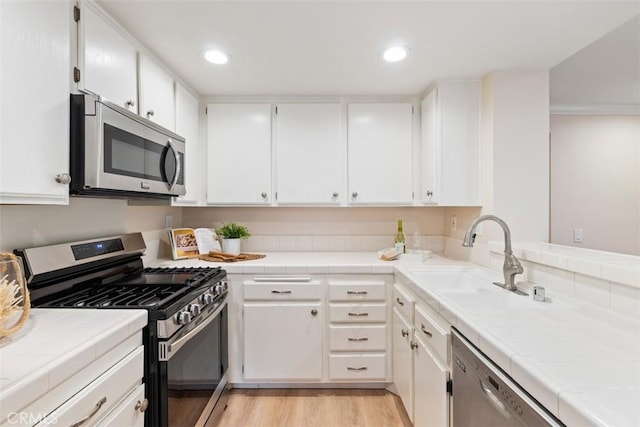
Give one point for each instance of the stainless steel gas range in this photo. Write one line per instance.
(186, 340)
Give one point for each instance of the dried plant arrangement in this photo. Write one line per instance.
(14, 295)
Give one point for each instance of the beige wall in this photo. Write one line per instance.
(326, 228)
(24, 226)
(595, 181)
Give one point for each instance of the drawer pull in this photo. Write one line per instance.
(282, 279)
(357, 292)
(399, 301)
(141, 406)
(275, 291)
(427, 333)
(362, 368)
(405, 333)
(95, 411)
(358, 339)
(358, 314)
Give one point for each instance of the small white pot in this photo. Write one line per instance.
(231, 246)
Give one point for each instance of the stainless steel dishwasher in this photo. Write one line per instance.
(484, 396)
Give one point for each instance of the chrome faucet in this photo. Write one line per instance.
(511, 265)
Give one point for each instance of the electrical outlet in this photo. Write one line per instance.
(168, 221)
(454, 222)
(578, 235)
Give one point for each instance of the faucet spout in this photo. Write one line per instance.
(511, 265)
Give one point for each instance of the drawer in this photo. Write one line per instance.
(357, 290)
(127, 413)
(358, 313)
(403, 302)
(365, 367)
(358, 338)
(432, 330)
(101, 395)
(282, 291)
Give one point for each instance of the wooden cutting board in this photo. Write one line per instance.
(215, 256)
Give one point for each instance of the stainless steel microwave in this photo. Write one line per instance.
(117, 153)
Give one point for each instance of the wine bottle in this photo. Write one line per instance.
(400, 242)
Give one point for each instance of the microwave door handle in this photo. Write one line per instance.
(177, 159)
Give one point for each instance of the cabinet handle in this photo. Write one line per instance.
(429, 193)
(95, 411)
(63, 178)
(362, 368)
(335, 194)
(354, 194)
(130, 103)
(357, 292)
(314, 312)
(405, 333)
(413, 345)
(357, 314)
(399, 301)
(263, 195)
(358, 339)
(142, 406)
(144, 185)
(427, 333)
(150, 114)
(275, 291)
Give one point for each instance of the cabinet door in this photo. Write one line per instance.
(451, 144)
(431, 400)
(239, 154)
(380, 153)
(187, 126)
(34, 113)
(157, 98)
(308, 154)
(430, 152)
(107, 60)
(403, 361)
(283, 341)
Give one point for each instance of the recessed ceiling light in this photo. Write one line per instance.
(216, 56)
(395, 53)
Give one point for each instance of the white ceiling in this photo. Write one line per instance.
(322, 48)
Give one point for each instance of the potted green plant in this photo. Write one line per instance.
(231, 234)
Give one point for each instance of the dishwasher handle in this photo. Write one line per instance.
(502, 409)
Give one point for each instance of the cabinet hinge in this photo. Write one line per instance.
(450, 387)
(276, 109)
(76, 74)
(276, 195)
(206, 111)
(76, 13)
(243, 369)
(412, 107)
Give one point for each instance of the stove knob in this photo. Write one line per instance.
(206, 299)
(194, 309)
(218, 289)
(224, 284)
(183, 317)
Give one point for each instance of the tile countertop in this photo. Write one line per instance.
(581, 362)
(53, 345)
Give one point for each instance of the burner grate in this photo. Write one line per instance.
(119, 296)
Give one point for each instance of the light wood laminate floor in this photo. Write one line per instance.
(310, 408)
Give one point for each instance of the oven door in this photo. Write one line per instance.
(193, 376)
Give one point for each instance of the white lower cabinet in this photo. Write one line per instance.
(130, 412)
(403, 361)
(431, 400)
(104, 395)
(421, 353)
(283, 341)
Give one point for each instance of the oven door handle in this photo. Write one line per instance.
(173, 346)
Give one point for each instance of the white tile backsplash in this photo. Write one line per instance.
(591, 290)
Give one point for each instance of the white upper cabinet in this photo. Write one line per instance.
(106, 59)
(187, 126)
(380, 152)
(309, 153)
(239, 154)
(450, 145)
(35, 62)
(157, 98)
